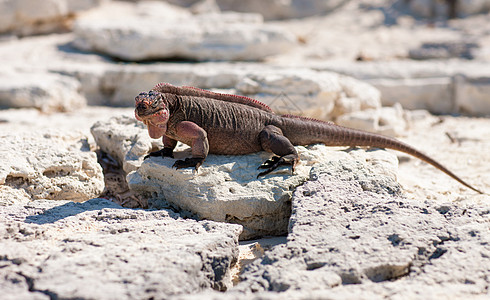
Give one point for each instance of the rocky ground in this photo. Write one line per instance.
(83, 216)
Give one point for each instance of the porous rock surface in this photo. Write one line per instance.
(226, 188)
(357, 236)
(48, 165)
(99, 250)
(125, 139)
(140, 35)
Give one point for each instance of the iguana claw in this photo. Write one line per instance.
(269, 163)
(164, 152)
(276, 161)
(193, 162)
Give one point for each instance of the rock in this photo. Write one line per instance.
(150, 36)
(45, 91)
(471, 95)
(385, 120)
(42, 165)
(471, 7)
(432, 85)
(431, 8)
(444, 50)
(225, 189)
(276, 9)
(124, 139)
(121, 85)
(354, 236)
(99, 250)
(356, 96)
(320, 95)
(29, 17)
(433, 94)
(291, 92)
(204, 6)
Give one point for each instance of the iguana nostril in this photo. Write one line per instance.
(141, 106)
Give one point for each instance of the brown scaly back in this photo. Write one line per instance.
(192, 91)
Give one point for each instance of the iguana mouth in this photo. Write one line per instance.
(146, 113)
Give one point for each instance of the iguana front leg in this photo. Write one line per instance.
(193, 135)
(272, 140)
(167, 150)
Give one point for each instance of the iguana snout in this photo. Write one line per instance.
(148, 103)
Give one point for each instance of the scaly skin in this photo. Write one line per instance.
(228, 124)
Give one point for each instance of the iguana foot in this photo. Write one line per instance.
(193, 162)
(276, 161)
(164, 152)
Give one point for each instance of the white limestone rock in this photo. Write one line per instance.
(43, 165)
(321, 95)
(433, 94)
(28, 17)
(140, 35)
(225, 188)
(125, 83)
(124, 139)
(431, 8)
(298, 92)
(385, 120)
(471, 95)
(441, 87)
(352, 235)
(99, 250)
(356, 96)
(47, 92)
(275, 9)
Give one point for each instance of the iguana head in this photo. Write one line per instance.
(150, 108)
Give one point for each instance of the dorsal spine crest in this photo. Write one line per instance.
(193, 91)
(307, 119)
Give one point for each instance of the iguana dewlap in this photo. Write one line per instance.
(228, 124)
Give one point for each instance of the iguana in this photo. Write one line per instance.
(228, 124)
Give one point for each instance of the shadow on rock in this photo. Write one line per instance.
(68, 209)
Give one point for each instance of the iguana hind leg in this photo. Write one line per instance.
(272, 140)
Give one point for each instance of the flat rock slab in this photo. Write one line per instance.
(48, 165)
(28, 17)
(352, 237)
(226, 188)
(99, 250)
(45, 91)
(320, 95)
(161, 31)
(281, 9)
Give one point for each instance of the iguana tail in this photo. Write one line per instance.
(305, 131)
